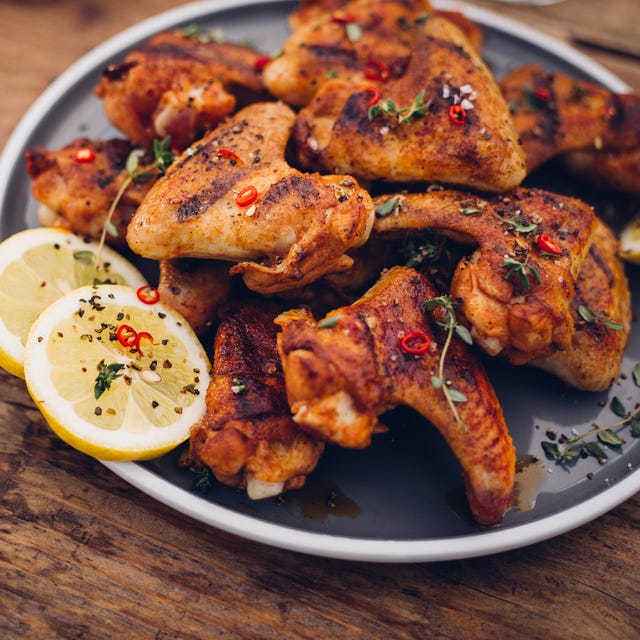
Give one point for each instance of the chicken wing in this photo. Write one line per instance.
(195, 288)
(361, 38)
(517, 287)
(77, 185)
(554, 114)
(330, 402)
(291, 229)
(178, 85)
(601, 313)
(442, 119)
(247, 437)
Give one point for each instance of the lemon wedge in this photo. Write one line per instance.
(630, 241)
(114, 376)
(37, 266)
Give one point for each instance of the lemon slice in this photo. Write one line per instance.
(37, 266)
(115, 377)
(630, 241)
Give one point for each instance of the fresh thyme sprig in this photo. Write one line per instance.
(417, 109)
(107, 373)
(523, 269)
(451, 326)
(162, 160)
(578, 445)
(591, 317)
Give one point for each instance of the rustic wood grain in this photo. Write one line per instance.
(84, 555)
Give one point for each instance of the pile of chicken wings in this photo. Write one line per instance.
(349, 219)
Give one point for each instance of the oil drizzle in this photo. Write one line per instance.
(531, 473)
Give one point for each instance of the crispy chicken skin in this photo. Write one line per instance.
(177, 85)
(338, 131)
(298, 229)
(320, 47)
(517, 317)
(78, 195)
(592, 363)
(247, 437)
(195, 288)
(555, 113)
(341, 378)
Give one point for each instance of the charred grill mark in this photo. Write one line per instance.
(303, 186)
(197, 203)
(334, 54)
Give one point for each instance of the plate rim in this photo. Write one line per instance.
(282, 536)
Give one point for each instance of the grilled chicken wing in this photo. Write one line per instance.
(554, 114)
(513, 292)
(332, 403)
(247, 437)
(320, 46)
(441, 119)
(601, 313)
(297, 230)
(178, 85)
(77, 185)
(195, 288)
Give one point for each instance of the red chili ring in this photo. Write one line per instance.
(422, 346)
(261, 63)
(227, 153)
(457, 114)
(549, 245)
(343, 17)
(148, 294)
(377, 71)
(84, 155)
(542, 94)
(127, 336)
(247, 196)
(142, 335)
(375, 96)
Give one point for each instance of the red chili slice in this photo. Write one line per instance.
(247, 196)
(227, 153)
(377, 71)
(375, 96)
(148, 294)
(127, 336)
(542, 94)
(549, 245)
(416, 342)
(84, 155)
(143, 335)
(457, 114)
(261, 63)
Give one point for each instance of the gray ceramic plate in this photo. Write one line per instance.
(400, 499)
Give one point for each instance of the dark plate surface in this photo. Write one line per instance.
(401, 499)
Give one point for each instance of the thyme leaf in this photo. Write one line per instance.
(107, 373)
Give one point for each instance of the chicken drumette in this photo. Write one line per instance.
(179, 85)
(385, 350)
(247, 437)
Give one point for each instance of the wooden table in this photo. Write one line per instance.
(84, 555)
